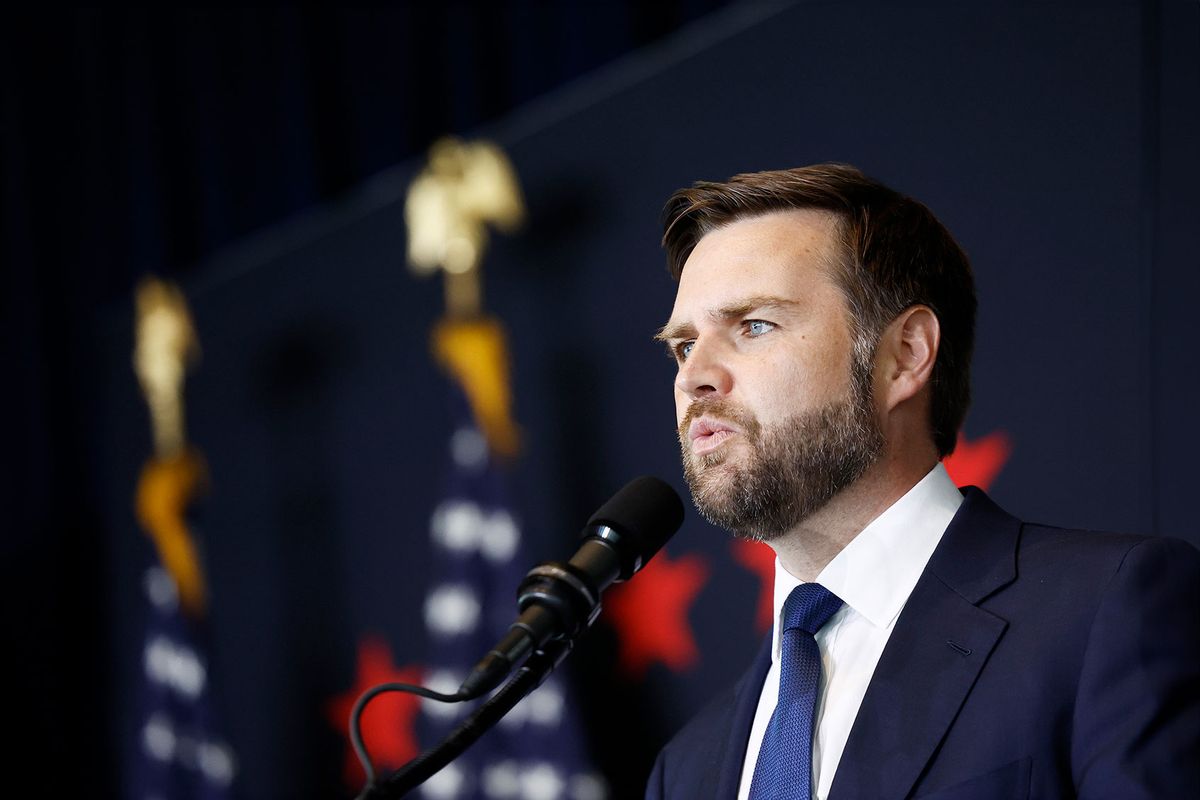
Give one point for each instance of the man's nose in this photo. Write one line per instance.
(705, 371)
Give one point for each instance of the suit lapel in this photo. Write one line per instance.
(940, 643)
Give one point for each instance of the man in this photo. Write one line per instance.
(933, 645)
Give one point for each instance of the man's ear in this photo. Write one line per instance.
(905, 356)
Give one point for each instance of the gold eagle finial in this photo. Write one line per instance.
(464, 187)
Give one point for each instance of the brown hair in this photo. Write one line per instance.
(896, 255)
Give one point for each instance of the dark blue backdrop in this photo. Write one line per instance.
(1057, 142)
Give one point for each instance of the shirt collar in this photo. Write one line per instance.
(875, 573)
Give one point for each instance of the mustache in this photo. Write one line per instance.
(722, 409)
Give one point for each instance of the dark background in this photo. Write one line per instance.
(261, 157)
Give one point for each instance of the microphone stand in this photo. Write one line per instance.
(529, 676)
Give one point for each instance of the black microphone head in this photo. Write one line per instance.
(637, 521)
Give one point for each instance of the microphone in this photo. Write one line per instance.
(560, 601)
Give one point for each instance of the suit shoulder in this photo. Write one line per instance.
(1103, 550)
(1083, 546)
(1071, 572)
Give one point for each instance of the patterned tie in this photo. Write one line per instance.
(784, 768)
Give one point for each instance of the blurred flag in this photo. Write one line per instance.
(179, 753)
(537, 751)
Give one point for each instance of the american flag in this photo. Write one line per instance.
(179, 752)
(536, 752)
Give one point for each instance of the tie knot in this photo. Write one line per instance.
(809, 607)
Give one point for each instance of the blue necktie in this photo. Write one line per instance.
(784, 768)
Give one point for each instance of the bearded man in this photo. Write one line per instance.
(926, 643)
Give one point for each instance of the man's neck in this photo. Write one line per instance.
(806, 549)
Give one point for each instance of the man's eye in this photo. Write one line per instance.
(684, 349)
(757, 327)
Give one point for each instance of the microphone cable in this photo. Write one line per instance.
(356, 739)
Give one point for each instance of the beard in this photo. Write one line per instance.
(793, 468)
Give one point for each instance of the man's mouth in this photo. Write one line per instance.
(707, 434)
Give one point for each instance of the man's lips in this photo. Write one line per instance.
(708, 434)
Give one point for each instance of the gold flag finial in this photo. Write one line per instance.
(465, 186)
(166, 345)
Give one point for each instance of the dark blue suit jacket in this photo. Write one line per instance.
(1029, 662)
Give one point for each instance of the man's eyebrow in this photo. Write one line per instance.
(737, 308)
(675, 330)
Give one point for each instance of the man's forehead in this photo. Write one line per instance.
(759, 252)
(772, 258)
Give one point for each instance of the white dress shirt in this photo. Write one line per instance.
(874, 575)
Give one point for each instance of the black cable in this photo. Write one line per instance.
(531, 675)
(360, 749)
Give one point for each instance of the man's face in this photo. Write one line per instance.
(775, 413)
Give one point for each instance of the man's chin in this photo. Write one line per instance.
(729, 498)
(713, 479)
(715, 492)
